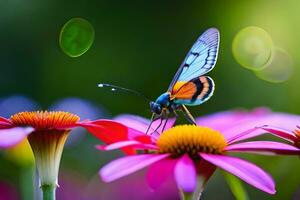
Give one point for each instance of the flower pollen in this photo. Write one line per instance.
(191, 139)
(297, 134)
(43, 120)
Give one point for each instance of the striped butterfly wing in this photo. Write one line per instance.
(194, 92)
(200, 59)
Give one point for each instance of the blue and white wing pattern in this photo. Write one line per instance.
(200, 59)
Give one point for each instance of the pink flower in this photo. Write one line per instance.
(47, 133)
(187, 151)
(288, 135)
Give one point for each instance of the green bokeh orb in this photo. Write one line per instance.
(252, 47)
(279, 69)
(76, 37)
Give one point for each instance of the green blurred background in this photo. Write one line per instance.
(140, 45)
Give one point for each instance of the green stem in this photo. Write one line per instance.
(27, 176)
(186, 196)
(48, 192)
(200, 184)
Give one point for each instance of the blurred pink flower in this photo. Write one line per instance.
(76, 187)
(8, 192)
(125, 189)
(175, 152)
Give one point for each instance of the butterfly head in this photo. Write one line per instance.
(163, 101)
(155, 108)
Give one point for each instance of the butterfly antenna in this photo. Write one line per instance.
(116, 88)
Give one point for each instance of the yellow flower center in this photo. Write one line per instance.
(44, 119)
(191, 139)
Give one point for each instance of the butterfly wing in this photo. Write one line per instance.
(200, 59)
(194, 92)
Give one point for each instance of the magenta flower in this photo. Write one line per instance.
(187, 151)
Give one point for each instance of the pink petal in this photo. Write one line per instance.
(246, 171)
(285, 121)
(223, 121)
(279, 132)
(160, 171)
(133, 134)
(141, 124)
(169, 124)
(5, 123)
(264, 146)
(129, 143)
(108, 131)
(185, 174)
(220, 121)
(127, 165)
(145, 139)
(2, 119)
(133, 121)
(250, 133)
(12, 136)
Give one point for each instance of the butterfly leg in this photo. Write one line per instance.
(165, 116)
(188, 115)
(166, 121)
(154, 117)
(160, 123)
(172, 109)
(175, 113)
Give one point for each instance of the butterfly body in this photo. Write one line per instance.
(161, 103)
(189, 86)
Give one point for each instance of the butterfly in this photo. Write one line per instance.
(190, 86)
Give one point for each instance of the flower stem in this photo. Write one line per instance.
(185, 196)
(200, 184)
(48, 192)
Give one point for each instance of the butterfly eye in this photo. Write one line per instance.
(155, 107)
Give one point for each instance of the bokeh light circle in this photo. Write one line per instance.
(279, 69)
(76, 37)
(252, 47)
(17, 103)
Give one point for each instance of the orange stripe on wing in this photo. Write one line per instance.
(177, 86)
(184, 90)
